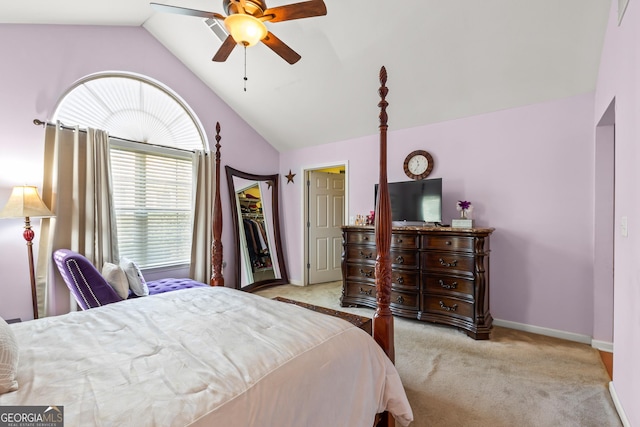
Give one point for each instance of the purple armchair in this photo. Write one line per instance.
(84, 281)
(91, 290)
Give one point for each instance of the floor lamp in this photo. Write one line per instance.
(26, 203)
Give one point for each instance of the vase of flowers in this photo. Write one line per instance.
(465, 208)
(371, 218)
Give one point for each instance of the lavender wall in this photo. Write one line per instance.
(39, 64)
(528, 172)
(619, 80)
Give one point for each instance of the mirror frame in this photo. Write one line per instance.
(284, 278)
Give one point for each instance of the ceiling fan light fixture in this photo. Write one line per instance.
(245, 29)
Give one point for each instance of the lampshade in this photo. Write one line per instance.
(245, 29)
(25, 202)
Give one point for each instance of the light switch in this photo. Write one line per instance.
(624, 228)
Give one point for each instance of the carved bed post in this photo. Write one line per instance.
(216, 250)
(383, 318)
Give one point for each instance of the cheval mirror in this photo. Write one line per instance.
(254, 210)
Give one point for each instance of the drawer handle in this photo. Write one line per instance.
(448, 264)
(365, 237)
(399, 259)
(399, 240)
(400, 280)
(445, 307)
(363, 292)
(366, 256)
(448, 243)
(366, 273)
(400, 300)
(453, 285)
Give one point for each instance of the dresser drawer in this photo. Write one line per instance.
(361, 272)
(399, 300)
(449, 263)
(402, 280)
(361, 238)
(448, 243)
(360, 253)
(399, 258)
(360, 290)
(408, 241)
(405, 280)
(454, 286)
(404, 259)
(441, 305)
(405, 300)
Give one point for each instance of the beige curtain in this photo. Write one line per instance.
(203, 166)
(77, 186)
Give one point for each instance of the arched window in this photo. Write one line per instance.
(152, 183)
(132, 107)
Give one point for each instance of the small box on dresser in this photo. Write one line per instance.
(439, 274)
(462, 223)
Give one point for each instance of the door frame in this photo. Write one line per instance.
(606, 236)
(305, 206)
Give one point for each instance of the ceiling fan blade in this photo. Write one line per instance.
(279, 47)
(184, 11)
(305, 9)
(223, 53)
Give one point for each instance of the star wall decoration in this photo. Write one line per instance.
(290, 176)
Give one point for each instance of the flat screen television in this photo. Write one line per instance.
(415, 202)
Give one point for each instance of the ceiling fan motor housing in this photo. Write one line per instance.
(252, 7)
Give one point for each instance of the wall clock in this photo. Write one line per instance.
(418, 164)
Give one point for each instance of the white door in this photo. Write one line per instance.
(326, 193)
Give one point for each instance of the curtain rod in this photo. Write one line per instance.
(39, 122)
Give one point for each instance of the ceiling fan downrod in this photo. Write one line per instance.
(245, 68)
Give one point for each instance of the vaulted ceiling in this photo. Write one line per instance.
(446, 59)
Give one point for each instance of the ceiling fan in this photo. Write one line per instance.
(245, 23)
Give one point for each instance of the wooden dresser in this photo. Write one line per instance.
(440, 274)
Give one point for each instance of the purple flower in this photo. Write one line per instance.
(463, 205)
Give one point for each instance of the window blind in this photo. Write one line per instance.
(152, 196)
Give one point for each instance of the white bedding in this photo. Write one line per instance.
(205, 357)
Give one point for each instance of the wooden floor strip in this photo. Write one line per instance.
(607, 359)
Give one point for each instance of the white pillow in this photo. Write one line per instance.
(8, 358)
(116, 277)
(134, 276)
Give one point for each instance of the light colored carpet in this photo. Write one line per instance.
(515, 379)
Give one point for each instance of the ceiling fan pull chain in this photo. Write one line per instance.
(245, 67)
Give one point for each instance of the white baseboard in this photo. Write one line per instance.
(570, 336)
(296, 282)
(602, 345)
(618, 405)
(584, 339)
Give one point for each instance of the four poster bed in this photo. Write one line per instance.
(215, 356)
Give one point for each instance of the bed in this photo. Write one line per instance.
(214, 356)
